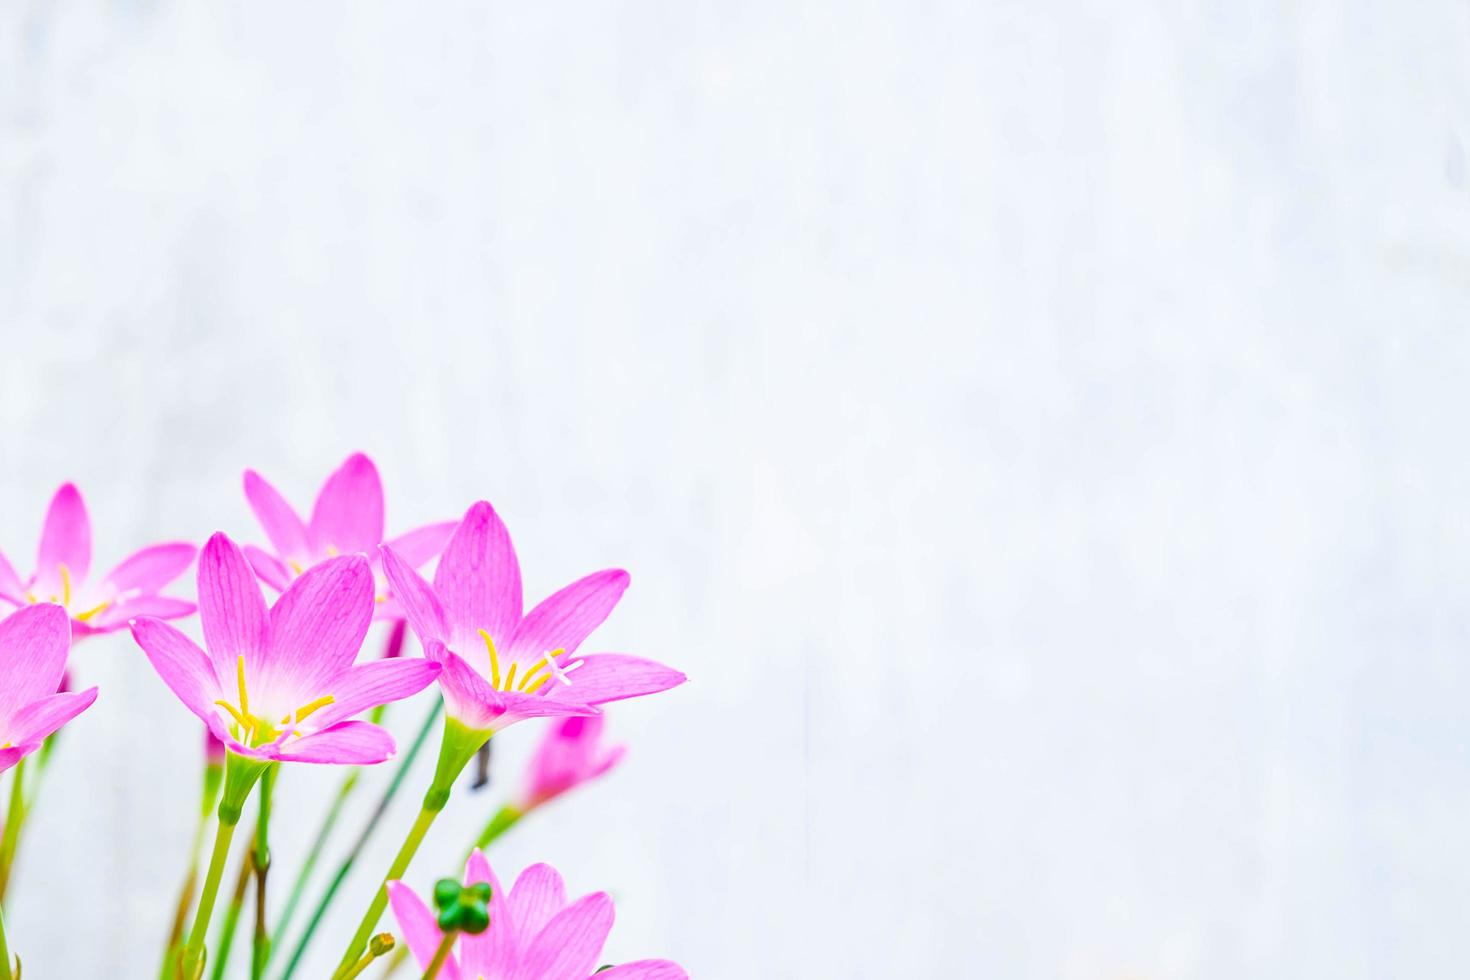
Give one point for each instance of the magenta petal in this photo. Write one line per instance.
(478, 579)
(119, 614)
(494, 952)
(564, 620)
(40, 718)
(420, 928)
(607, 677)
(33, 646)
(277, 518)
(11, 588)
(567, 949)
(468, 697)
(319, 623)
(66, 539)
(347, 743)
(420, 605)
(11, 755)
(348, 514)
(151, 568)
(268, 568)
(371, 684)
(538, 894)
(184, 667)
(645, 970)
(422, 543)
(231, 608)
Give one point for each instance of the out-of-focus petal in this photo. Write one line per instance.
(645, 970)
(270, 569)
(607, 677)
(150, 569)
(567, 949)
(422, 543)
(348, 743)
(478, 579)
(371, 684)
(420, 605)
(566, 618)
(184, 667)
(119, 614)
(318, 624)
(420, 928)
(494, 952)
(34, 642)
(231, 608)
(348, 515)
(40, 718)
(66, 539)
(282, 525)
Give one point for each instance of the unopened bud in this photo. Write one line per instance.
(381, 943)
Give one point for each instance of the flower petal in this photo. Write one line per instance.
(40, 718)
(184, 667)
(538, 894)
(565, 619)
(348, 515)
(66, 539)
(11, 588)
(478, 579)
(268, 568)
(347, 743)
(119, 614)
(567, 949)
(231, 608)
(420, 928)
(33, 646)
(152, 568)
(645, 970)
(420, 605)
(469, 698)
(319, 623)
(607, 677)
(422, 543)
(494, 952)
(371, 684)
(282, 525)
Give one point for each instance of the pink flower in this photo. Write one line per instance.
(570, 754)
(34, 643)
(501, 666)
(534, 933)
(64, 558)
(281, 685)
(346, 519)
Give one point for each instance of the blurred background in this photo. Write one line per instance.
(1032, 428)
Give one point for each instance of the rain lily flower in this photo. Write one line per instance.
(570, 754)
(64, 559)
(502, 665)
(534, 933)
(282, 685)
(346, 519)
(34, 643)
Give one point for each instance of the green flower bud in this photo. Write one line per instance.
(446, 893)
(381, 943)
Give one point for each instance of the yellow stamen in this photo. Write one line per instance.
(510, 678)
(380, 598)
(295, 568)
(65, 583)
(538, 685)
(93, 611)
(494, 661)
(244, 724)
(331, 551)
(240, 677)
(309, 707)
(545, 661)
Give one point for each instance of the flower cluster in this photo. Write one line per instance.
(283, 682)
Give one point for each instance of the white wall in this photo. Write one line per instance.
(1038, 432)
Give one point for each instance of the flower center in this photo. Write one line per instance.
(533, 679)
(254, 730)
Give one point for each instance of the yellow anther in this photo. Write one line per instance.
(494, 661)
(510, 677)
(65, 583)
(244, 724)
(306, 709)
(240, 677)
(295, 568)
(331, 551)
(93, 611)
(545, 661)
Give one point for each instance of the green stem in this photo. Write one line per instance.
(225, 941)
(14, 817)
(240, 777)
(459, 746)
(5, 973)
(505, 818)
(260, 858)
(441, 955)
(298, 888)
(345, 868)
(213, 772)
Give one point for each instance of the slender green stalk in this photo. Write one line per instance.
(441, 955)
(260, 858)
(5, 973)
(381, 944)
(313, 855)
(213, 774)
(345, 868)
(14, 818)
(459, 746)
(225, 941)
(240, 778)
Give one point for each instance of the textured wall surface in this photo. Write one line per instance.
(1034, 432)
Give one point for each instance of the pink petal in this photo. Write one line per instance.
(66, 539)
(607, 677)
(10, 756)
(119, 614)
(277, 518)
(347, 743)
(371, 684)
(420, 605)
(268, 568)
(319, 623)
(419, 545)
(184, 667)
(568, 948)
(40, 718)
(494, 952)
(420, 928)
(478, 579)
(33, 646)
(151, 568)
(565, 619)
(538, 894)
(645, 970)
(231, 608)
(469, 698)
(11, 588)
(348, 515)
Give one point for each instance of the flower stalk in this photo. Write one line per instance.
(15, 816)
(241, 775)
(260, 860)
